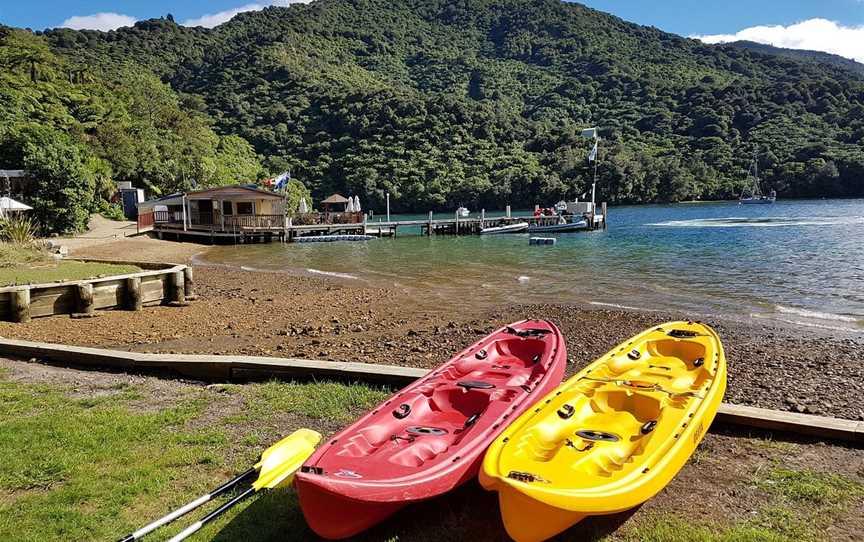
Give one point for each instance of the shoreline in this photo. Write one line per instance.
(256, 313)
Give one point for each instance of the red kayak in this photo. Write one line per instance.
(431, 436)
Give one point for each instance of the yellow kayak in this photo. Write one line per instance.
(611, 437)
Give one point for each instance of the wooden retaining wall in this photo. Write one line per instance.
(223, 368)
(156, 284)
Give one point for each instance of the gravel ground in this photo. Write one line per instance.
(273, 314)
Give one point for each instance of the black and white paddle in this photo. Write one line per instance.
(276, 468)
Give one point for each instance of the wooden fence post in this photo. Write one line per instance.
(134, 301)
(176, 289)
(86, 305)
(189, 284)
(21, 305)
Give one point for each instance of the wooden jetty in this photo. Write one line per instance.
(247, 215)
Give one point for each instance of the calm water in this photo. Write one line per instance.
(800, 263)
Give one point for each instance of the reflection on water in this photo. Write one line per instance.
(801, 263)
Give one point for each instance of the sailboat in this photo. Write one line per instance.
(756, 197)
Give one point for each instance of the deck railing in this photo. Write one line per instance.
(215, 220)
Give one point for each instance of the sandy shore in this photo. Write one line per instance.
(273, 314)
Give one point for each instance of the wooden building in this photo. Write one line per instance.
(228, 211)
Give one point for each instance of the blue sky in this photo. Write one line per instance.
(835, 26)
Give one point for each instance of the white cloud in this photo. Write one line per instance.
(812, 34)
(215, 19)
(98, 21)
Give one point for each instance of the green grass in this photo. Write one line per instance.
(318, 400)
(94, 468)
(22, 254)
(810, 488)
(800, 504)
(42, 271)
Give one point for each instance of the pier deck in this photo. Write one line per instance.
(284, 231)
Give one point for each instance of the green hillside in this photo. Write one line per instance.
(480, 102)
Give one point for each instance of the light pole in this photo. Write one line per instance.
(388, 206)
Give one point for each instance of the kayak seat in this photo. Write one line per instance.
(518, 353)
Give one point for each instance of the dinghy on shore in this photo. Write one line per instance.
(430, 437)
(611, 437)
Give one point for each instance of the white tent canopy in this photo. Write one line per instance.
(9, 204)
(350, 207)
(357, 204)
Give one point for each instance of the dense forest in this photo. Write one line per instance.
(438, 102)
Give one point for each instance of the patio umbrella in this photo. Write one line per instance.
(350, 207)
(302, 208)
(357, 204)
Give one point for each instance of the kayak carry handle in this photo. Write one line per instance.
(683, 334)
(482, 354)
(472, 420)
(475, 385)
(402, 412)
(531, 332)
(566, 412)
(647, 427)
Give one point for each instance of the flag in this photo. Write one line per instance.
(590, 133)
(593, 155)
(281, 181)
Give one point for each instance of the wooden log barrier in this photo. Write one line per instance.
(177, 289)
(85, 302)
(134, 301)
(189, 284)
(21, 305)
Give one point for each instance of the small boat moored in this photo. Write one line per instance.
(429, 437)
(612, 436)
(756, 197)
(564, 227)
(518, 227)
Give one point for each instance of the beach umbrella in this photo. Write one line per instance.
(302, 208)
(275, 469)
(350, 207)
(357, 208)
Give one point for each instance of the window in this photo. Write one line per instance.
(245, 208)
(227, 208)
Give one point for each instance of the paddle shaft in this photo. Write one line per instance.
(186, 508)
(195, 527)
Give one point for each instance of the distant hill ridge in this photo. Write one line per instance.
(801, 54)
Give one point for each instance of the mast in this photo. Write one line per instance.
(594, 184)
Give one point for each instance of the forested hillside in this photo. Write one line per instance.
(77, 129)
(478, 102)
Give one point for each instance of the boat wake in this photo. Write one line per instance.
(761, 222)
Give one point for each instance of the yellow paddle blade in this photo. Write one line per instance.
(280, 461)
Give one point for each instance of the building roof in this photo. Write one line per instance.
(335, 199)
(233, 191)
(12, 173)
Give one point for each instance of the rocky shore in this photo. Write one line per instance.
(274, 314)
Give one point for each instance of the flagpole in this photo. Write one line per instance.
(594, 184)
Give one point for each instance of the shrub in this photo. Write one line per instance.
(19, 229)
